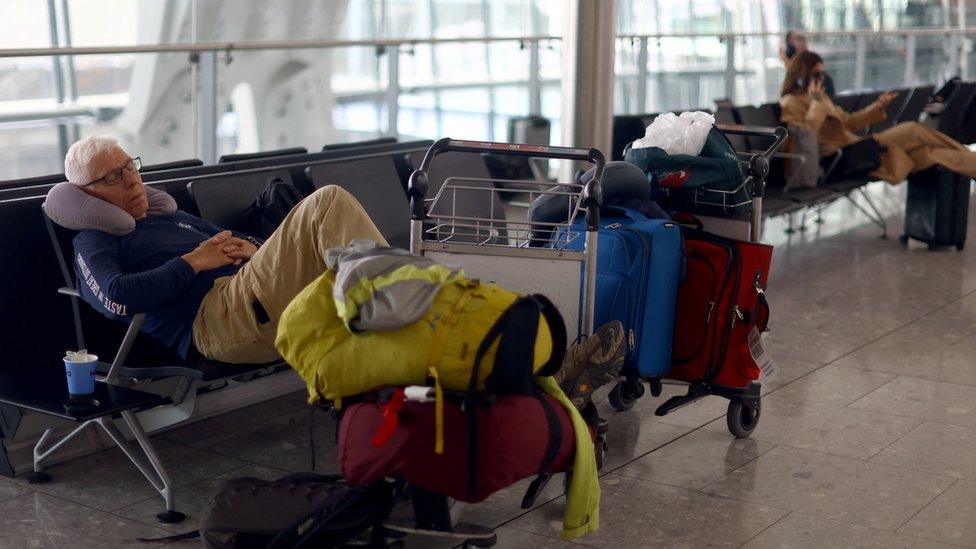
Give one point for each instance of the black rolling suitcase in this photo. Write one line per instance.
(937, 208)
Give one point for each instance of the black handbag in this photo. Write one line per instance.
(856, 162)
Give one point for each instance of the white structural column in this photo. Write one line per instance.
(587, 87)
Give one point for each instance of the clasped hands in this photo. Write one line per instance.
(218, 251)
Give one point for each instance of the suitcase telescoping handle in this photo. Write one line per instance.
(592, 196)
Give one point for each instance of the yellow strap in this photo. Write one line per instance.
(438, 413)
(434, 360)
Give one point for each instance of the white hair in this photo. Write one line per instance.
(77, 163)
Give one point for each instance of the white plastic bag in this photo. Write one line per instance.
(683, 134)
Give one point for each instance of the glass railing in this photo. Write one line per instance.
(659, 73)
(184, 100)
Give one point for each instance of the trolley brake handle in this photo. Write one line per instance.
(416, 192)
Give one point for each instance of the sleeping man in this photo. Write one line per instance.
(220, 292)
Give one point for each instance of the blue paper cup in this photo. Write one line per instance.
(81, 374)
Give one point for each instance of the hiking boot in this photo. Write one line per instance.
(593, 363)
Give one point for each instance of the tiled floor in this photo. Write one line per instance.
(867, 438)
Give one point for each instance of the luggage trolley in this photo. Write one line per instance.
(509, 252)
(740, 218)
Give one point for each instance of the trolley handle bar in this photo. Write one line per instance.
(518, 149)
(591, 198)
(778, 135)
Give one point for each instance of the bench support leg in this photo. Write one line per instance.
(874, 216)
(148, 463)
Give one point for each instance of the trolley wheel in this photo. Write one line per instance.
(625, 394)
(742, 418)
(903, 239)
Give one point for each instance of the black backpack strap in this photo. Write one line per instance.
(557, 329)
(555, 434)
(517, 328)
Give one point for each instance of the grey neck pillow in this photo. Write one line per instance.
(72, 208)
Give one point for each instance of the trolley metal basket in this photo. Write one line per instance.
(498, 248)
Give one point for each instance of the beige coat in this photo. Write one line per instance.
(909, 146)
(835, 128)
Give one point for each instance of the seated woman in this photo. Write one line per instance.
(905, 148)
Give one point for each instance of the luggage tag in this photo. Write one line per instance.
(762, 357)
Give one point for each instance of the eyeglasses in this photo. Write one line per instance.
(113, 177)
(818, 75)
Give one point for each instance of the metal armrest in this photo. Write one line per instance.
(838, 154)
(791, 156)
(125, 348)
(69, 291)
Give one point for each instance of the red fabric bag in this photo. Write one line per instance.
(518, 436)
(720, 302)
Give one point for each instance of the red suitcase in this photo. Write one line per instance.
(721, 300)
(518, 436)
(719, 305)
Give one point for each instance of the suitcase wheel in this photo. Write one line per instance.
(961, 246)
(742, 418)
(625, 394)
(903, 239)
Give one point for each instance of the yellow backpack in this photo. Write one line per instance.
(476, 336)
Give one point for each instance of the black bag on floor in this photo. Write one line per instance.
(937, 208)
(300, 510)
(270, 208)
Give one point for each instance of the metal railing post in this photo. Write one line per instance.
(59, 84)
(392, 90)
(911, 46)
(860, 62)
(729, 67)
(206, 87)
(642, 75)
(954, 54)
(535, 79)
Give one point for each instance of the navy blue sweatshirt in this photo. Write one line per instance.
(142, 272)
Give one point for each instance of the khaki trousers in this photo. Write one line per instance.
(227, 327)
(914, 147)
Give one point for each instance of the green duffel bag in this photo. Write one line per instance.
(711, 182)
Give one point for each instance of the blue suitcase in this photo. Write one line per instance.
(638, 267)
